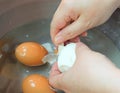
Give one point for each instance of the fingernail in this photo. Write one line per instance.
(58, 39)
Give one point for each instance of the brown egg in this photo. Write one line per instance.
(30, 53)
(36, 83)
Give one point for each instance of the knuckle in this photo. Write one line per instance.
(67, 19)
(87, 23)
(67, 4)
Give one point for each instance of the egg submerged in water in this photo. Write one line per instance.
(67, 57)
(30, 53)
(36, 83)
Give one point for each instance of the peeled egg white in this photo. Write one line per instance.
(67, 57)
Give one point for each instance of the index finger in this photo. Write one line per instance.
(62, 17)
(57, 23)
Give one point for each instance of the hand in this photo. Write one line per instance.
(91, 73)
(73, 17)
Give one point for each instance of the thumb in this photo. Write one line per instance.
(72, 30)
(56, 78)
(62, 18)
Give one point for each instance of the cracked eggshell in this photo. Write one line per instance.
(67, 57)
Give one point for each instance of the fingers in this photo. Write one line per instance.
(55, 78)
(58, 21)
(84, 34)
(63, 17)
(71, 31)
(74, 40)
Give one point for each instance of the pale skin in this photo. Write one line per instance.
(92, 71)
(74, 17)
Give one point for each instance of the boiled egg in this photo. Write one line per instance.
(66, 57)
(36, 83)
(30, 53)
